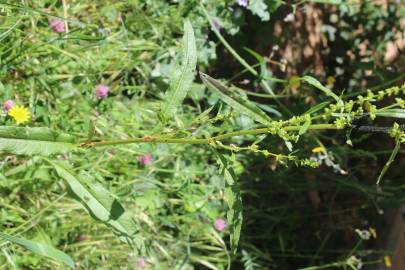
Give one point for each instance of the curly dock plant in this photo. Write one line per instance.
(337, 114)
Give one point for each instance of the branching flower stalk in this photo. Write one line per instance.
(338, 116)
(342, 113)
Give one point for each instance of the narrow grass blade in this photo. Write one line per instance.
(34, 141)
(393, 113)
(40, 249)
(4, 34)
(231, 98)
(182, 79)
(27, 9)
(233, 198)
(98, 201)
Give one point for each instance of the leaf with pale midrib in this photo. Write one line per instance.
(34, 141)
(182, 79)
(239, 104)
(394, 113)
(98, 201)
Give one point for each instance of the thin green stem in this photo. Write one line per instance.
(150, 139)
(227, 46)
(267, 130)
(330, 265)
(388, 107)
(390, 160)
(263, 82)
(147, 139)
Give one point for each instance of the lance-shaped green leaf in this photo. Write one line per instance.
(34, 141)
(98, 201)
(233, 198)
(182, 79)
(41, 249)
(394, 113)
(315, 83)
(317, 107)
(238, 103)
(305, 126)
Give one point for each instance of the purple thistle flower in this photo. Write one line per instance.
(7, 105)
(216, 25)
(145, 159)
(243, 3)
(220, 224)
(102, 91)
(82, 237)
(141, 263)
(58, 26)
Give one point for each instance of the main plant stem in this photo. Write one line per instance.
(151, 139)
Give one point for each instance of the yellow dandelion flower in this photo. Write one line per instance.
(318, 149)
(20, 114)
(387, 261)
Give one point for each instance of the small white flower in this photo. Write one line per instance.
(364, 234)
(289, 18)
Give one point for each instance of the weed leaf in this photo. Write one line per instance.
(233, 198)
(34, 141)
(315, 83)
(394, 113)
(98, 201)
(238, 103)
(40, 249)
(181, 82)
(305, 126)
